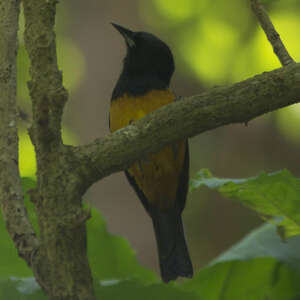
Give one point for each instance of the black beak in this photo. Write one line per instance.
(127, 34)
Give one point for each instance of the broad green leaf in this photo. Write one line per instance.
(256, 279)
(264, 242)
(110, 256)
(20, 289)
(27, 289)
(259, 267)
(271, 195)
(134, 290)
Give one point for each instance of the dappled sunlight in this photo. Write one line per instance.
(223, 47)
(211, 51)
(27, 162)
(285, 24)
(288, 24)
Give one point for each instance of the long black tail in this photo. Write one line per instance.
(173, 253)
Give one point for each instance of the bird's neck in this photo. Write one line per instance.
(137, 84)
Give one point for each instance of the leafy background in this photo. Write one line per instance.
(214, 42)
(261, 266)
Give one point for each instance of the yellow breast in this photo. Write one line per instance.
(128, 109)
(158, 175)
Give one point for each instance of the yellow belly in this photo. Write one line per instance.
(157, 176)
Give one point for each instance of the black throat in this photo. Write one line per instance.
(137, 85)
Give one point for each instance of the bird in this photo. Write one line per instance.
(161, 179)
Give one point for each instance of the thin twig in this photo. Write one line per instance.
(271, 33)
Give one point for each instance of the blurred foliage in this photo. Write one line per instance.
(218, 44)
(221, 42)
(110, 256)
(271, 195)
(258, 267)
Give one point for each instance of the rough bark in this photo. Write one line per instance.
(62, 265)
(64, 173)
(11, 196)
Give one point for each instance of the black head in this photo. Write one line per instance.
(148, 60)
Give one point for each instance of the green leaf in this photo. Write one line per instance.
(259, 267)
(134, 290)
(11, 264)
(21, 289)
(275, 194)
(110, 256)
(256, 279)
(264, 242)
(27, 289)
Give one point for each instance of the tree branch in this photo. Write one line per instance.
(46, 89)
(65, 172)
(271, 33)
(238, 103)
(11, 195)
(61, 267)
